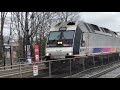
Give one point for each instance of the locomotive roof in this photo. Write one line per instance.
(85, 27)
(100, 30)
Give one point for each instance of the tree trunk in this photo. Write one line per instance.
(32, 47)
(1, 35)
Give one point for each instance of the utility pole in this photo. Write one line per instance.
(27, 41)
(10, 45)
(26, 34)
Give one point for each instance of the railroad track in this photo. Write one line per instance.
(117, 76)
(105, 73)
(94, 72)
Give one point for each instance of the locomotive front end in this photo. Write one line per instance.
(60, 42)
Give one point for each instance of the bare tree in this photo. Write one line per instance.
(65, 16)
(3, 16)
(17, 24)
(46, 21)
(39, 24)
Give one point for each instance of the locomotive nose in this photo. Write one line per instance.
(59, 52)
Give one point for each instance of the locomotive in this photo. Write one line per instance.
(71, 39)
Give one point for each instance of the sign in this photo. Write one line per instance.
(29, 60)
(63, 28)
(7, 46)
(36, 53)
(35, 70)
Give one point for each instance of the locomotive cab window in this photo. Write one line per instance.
(66, 37)
(54, 36)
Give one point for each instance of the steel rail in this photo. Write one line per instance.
(104, 72)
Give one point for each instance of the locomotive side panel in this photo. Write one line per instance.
(98, 43)
(77, 41)
(118, 44)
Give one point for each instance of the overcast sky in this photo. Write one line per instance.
(110, 20)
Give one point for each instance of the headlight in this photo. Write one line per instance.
(69, 53)
(60, 42)
(47, 54)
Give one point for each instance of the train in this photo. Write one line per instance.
(79, 38)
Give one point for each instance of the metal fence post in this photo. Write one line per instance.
(50, 69)
(70, 67)
(20, 68)
(101, 59)
(4, 62)
(83, 63)
(41, 58)
(108, 58)
(94, 61)
(118, 56)
(114, 57)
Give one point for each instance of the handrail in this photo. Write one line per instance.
(18, 65)
(44, 61)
